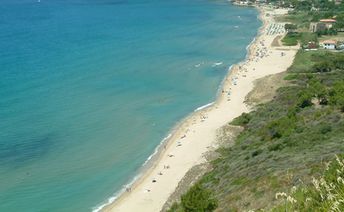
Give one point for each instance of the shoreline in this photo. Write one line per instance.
(197, 128)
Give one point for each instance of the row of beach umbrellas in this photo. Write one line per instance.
(274, 29)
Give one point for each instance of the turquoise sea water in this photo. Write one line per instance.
(89, 88)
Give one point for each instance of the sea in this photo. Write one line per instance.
(90, 88)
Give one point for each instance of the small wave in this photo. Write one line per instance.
(116, 195)
(217, 64)
(120, 192)
(156, 150)
(204, 106)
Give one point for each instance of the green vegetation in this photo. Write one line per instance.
(197, 199)
(331, 31)
(301, 16)
(325, 194)
(340, 21)
(307, 11)
(315, 9)
(290, 27)
(306, 37)
(284, 141)
(291, 39)
(290, 139)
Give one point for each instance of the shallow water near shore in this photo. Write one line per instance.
(90, 88)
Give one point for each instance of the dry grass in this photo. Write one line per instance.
(277, 41)
(265, 89)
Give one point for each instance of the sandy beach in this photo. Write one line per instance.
(197, 134)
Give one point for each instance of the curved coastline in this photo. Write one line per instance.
(152, 161)
(179, 131)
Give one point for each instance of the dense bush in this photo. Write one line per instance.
(196, 199)
(324, 66)
(242, 120)
(305, 99)
(332, 62)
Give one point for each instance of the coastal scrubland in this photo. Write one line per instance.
(285, 142)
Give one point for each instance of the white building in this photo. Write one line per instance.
(329, 44)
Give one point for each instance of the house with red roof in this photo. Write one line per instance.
(322, 25)
(328, 22)
(329, 44)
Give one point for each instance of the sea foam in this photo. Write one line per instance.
(204, 106)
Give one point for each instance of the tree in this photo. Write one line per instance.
(290, 27)
(339, 21)
(303, 5)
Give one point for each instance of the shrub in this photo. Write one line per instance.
(324, 66)
(325, 129)
(175, 208)
(242, 120)
(280, 127)
(256, 152)
(276, 147)
(337, 95)
(319, 91)
(198, 199)
(304, 99)
(291, 77)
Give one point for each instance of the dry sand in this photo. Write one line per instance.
(195, 135)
